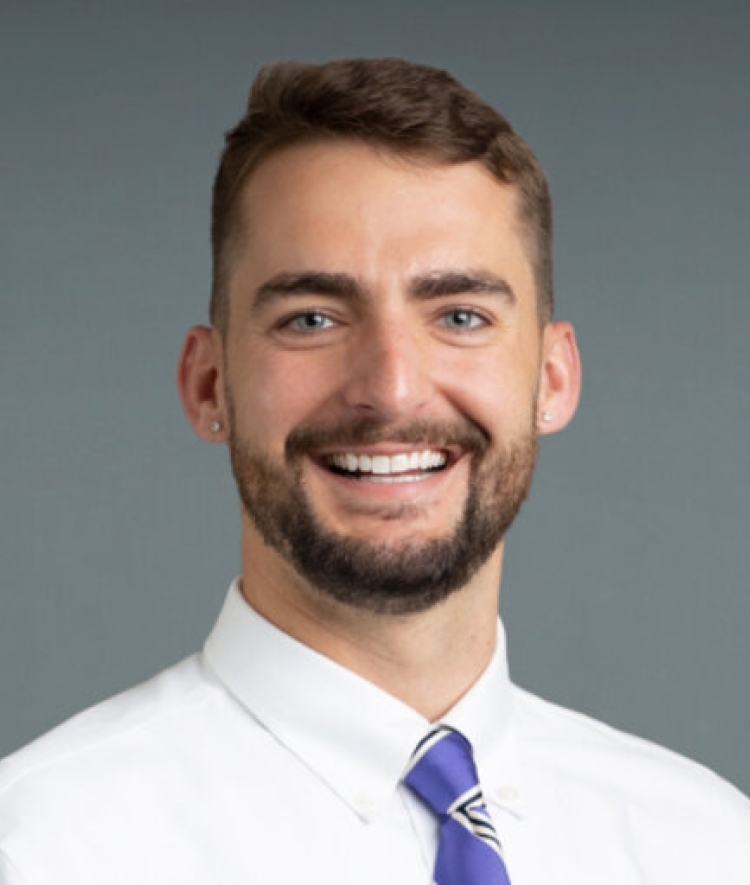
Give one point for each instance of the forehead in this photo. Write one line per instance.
(347, 207)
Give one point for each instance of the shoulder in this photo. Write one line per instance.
(92, 740)
(77, 800)
(656, 789)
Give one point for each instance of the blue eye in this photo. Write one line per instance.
(462, 320)
(312, 321)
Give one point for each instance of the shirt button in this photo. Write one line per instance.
(365, 803)
(507, 794)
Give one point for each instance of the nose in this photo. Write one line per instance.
(389, 374)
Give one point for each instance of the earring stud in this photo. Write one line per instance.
(546, 416)
(215, 426)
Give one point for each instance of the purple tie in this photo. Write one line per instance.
(442, 773)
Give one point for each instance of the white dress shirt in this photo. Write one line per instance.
(261, 761)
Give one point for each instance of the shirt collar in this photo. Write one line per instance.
(353, 735)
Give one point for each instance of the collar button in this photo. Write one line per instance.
(365, 803)
(508, 794)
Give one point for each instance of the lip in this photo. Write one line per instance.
(452, 453)
(328, 461)
(424, 486)
(389, 448)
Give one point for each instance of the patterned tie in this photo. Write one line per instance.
(442, 773)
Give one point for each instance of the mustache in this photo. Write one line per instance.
(366, 430)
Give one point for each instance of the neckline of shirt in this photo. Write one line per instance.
(351, 734)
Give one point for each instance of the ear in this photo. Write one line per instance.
(200, 383)
(559, 377)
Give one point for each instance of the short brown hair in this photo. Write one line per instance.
(409, 109)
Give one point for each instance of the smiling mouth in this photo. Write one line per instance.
(400, 467)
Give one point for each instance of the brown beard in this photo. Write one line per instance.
(383, 577)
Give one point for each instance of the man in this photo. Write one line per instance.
(381, 360)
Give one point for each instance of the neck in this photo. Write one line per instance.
(428, 660)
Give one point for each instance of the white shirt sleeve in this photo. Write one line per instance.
(9, 875)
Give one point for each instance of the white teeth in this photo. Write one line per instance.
(399, 463)
(386, 465)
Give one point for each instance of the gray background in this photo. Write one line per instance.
(626, 588)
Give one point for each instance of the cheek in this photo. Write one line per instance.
(496, 393)
(276, 395)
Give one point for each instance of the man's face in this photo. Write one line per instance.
(381, 366)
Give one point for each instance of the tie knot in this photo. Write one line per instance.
(442, 771)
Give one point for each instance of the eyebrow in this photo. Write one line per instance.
(337, 285)
(436, 284)
(441, 283)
